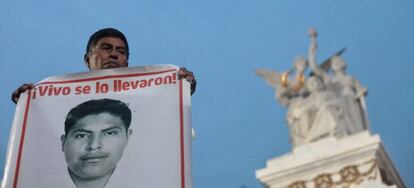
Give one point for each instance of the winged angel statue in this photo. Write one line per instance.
(322, 104)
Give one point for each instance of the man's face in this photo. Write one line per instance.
(94, 145)
(109, 52)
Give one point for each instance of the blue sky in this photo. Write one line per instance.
(239, 124)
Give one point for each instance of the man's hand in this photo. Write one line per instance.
(189, 76)
(23, 88)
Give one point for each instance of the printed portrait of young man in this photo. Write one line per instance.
(96, 134)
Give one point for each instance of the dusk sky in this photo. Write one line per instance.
(239, 123)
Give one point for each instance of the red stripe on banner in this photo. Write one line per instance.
(182, 136)
(19, 155)
(107, 77)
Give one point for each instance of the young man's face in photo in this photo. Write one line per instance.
(94, 145)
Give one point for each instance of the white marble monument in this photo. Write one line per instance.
(329, 130)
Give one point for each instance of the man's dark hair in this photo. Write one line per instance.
(107, 32)
(95, 107)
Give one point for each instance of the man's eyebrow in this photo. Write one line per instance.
(105, 44)
(80, 130)
(109, 44)
(113, 127)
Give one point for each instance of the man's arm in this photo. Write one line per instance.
(23, 88)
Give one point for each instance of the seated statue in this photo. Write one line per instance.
(325, 111)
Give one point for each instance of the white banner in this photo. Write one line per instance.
(117, 128)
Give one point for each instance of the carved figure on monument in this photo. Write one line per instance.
(324, 110)
(290, 93)
(348, 89)
(321, 105)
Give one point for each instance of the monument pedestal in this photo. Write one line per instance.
(357, 160)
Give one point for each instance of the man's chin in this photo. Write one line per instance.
(93, 173)
(111, 66)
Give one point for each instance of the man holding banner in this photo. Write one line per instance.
(106, 49)
(97, 109)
